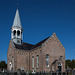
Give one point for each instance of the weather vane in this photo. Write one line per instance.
(17, 3)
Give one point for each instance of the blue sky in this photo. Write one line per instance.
(39, 18)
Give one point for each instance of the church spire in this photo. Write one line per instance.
(17, 21)
(16, 30)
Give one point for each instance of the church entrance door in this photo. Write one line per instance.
(60, 67)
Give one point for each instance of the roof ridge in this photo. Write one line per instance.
(28, 43)
(43, 40)
(40, 43)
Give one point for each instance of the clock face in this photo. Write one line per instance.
(18, 41)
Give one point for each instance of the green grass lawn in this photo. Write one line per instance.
(69, 74)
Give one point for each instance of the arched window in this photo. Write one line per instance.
(18, 33)
(47, 60)
(37, 61)
(14, 32)
(61, 57)
(53, 68)
(10, 66)
(32, 61)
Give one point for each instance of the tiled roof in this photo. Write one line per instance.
(26, 46)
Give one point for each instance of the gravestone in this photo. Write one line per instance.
(51, 72)
(11, 73)
(73, 72)
(23, 73)
(18, 72)
(15, 73)
(63, 73)
(0, 72)
(5, 73)
(57, 72)
(27, 73)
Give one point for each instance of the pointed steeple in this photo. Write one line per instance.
(17, 21)
(16, 30)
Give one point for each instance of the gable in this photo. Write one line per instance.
(54, 39)
(53, 47)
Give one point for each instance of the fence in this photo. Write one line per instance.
(37, 73)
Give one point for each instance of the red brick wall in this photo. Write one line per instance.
(22, 59)
(55, 49)
(35, 52)
(10, 55)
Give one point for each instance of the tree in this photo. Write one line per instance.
(70, 63)
(3, 65)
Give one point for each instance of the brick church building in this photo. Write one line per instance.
(47, 55)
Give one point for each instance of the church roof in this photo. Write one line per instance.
(40, 43)
(17, 21)
(54, 61)
(26, 46)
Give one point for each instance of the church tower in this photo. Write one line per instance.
(16, 30)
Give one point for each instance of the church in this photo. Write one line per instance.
(47, 55)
